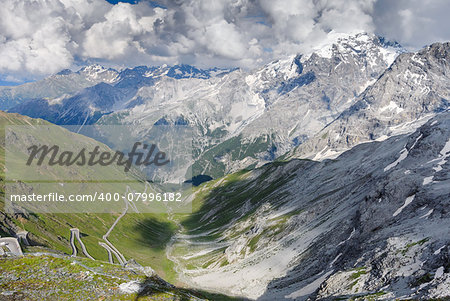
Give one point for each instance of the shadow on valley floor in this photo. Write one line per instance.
(154, 232)
(154, 287)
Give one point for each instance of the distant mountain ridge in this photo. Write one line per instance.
(82, 97)
(64, 82)
(245, 119)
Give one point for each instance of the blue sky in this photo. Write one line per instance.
(6, 83)
(125, 1)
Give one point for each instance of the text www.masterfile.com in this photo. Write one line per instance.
(98, 196)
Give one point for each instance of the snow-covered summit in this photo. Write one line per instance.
(368, 48)
(98, 73)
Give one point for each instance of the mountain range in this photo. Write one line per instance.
(240, 118)
(328, 172)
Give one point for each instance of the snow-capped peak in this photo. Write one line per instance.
(97, 73)
(338, 44)
(366, 52)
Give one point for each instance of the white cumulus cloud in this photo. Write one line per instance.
(40, 37)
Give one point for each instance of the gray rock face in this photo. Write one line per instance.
(78, 98)
(372, 222)
(321, 88)
(411, 91)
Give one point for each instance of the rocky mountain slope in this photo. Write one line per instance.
(247, 118)
(47, 272)
(109, 91)
(372, 223)
(369, 223)
(407, 94)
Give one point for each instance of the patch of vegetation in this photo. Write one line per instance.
(142, 237)
(224, 263)
(236, 148)
(352, 285)
(423, 279)
(254, 243)
(359, 271)
(408, 246)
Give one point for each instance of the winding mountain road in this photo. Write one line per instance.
(75, 232)
(12, 244)
(110, 248)
(22, 236)
(111, 252)
(108, 245)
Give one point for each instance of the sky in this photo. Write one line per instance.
(42, 37)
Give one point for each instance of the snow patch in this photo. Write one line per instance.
(427, 180)
(439, 273)
(414, 58)
(444, 154)
(335, 259)
(407, 202)
(403, 155)
(389, 54)
(351, 235)
(439, 250)
(326, 153)
(426, 215)
(392, 106)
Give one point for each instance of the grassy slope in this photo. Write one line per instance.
(49, 277)
(139, 236)
(235, 148)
